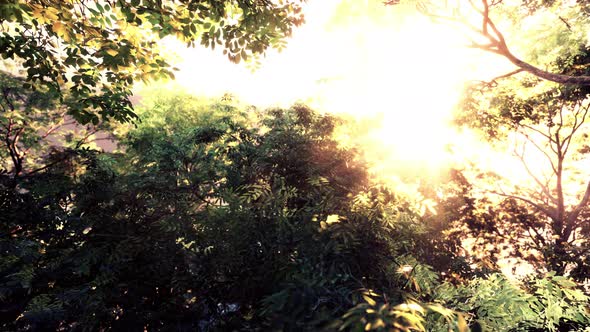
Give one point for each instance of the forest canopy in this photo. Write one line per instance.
(219, 216)
(211, 214)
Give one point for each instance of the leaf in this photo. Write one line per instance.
(462, 323)
(445, 312)
(369, 300)
(59, 28)
(51, 14)
(379, 323)
(564, 282)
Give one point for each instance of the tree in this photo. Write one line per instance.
(213, 217)
(220, 217)
(36, 132)
(95, 50)
(490, 38)
(544, 223)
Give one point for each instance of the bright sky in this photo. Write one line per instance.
(361, 58)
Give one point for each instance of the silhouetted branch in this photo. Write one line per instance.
(544, 189)
(497, 43)
(539, 207)
(576, 212)
(553, 167)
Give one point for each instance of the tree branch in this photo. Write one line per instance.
(503, 50)
(492, 82)
(47, 166)
(572, 216)
(577, 123)
(499, 46)
(553, 167)
(543, 209)
(544, 189)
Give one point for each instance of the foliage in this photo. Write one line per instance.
(549, 303)
(491, 303)
(202, 223)
(36, 131)
(222, 217)
(96, 50)
(544, 126)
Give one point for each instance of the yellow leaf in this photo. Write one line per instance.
(416, 285)
(59, 28)
(51, 14)
(462, 324)
(369, 300)
(37, 12)
(39, 15)
(112, 52)
(332, 219)
(415, 307)
(379, 323)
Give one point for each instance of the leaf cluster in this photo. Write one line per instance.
(95, 51)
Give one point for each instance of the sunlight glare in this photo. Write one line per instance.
(390, 63)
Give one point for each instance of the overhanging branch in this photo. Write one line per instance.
(539, 207)
(497, 44)
(576, 212)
